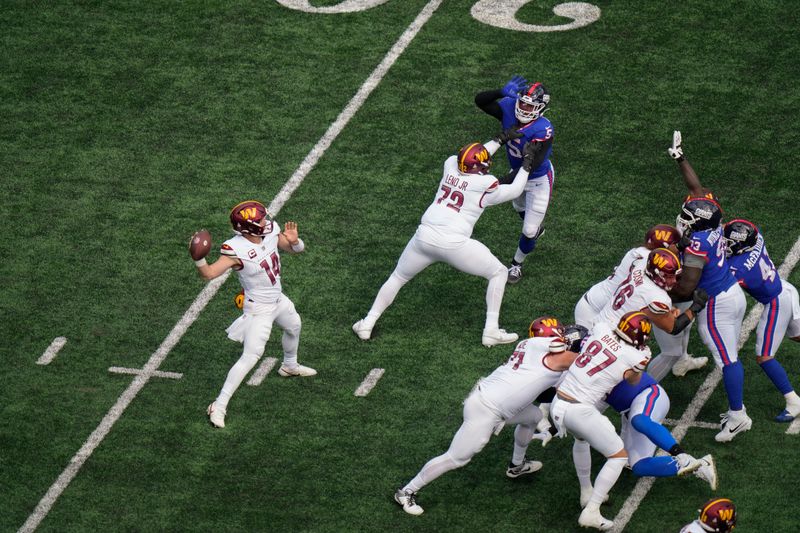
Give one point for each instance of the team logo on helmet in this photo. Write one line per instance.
(634, 328)
(546, 326)
(662, 236)
(474, 159)
(699, 214)
(663, 267)
(740, 236)
(251, 217)
(718, 515)
(574, 335)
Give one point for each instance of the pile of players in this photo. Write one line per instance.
(693, 272)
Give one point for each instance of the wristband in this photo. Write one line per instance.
(696, 308)
(676, 450)
(201, 262)
(299, 246)
(680, 159)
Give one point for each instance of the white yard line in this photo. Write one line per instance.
(261, 372)
(369, 382)
(137, 371)
(97, 436)
(703, 394)
(695, 424)
(51, 351)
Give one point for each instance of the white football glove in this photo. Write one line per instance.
(676, 151)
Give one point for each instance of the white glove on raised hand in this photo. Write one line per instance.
(676, 152)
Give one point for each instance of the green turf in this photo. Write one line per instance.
(127, 125)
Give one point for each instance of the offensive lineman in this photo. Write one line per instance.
(253, 254)
(607, 357)
(503, 398)
(465, 190)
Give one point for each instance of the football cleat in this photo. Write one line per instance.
(526, 467)
(493, 337)
(591, 517)
(408, 500)
(687, 464)
(514, 274)
(297, 371)
(216, 415)
(707, 471)
(362, 330)
(687, 364)
(733, 424)
(790, 413)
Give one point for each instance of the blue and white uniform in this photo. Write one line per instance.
(721, 320)
(757, 275)
(533, 202)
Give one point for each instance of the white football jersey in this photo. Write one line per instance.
(457, 206)
(260, 274)
(517, 383)
(600, 293)
(637, 292)
(693, 527)
(601, 365)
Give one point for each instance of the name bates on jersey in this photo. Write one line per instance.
(260, 274)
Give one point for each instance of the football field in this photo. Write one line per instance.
(127, 126)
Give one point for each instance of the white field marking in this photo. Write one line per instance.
(261, 372)
(703, 394)
(794, 427)
(350, 109)
(51, 351)
(346, 6)
(208, 292)
(503, 14)
(695, 424)
(137, 371)
(369, 382)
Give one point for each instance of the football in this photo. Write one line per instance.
(200, 244)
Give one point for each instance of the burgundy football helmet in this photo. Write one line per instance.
(718, 515)
(546, 326)
(661, 236)
(634, 328)
(474, 158)
(252, 218)
(663, 267)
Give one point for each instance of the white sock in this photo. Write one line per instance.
(606, 479)
(290, 343)
(522, 438)
(384, 299)
(494, 297)
(519, 256)
(582, 457)
(235, 376)
(432, 470)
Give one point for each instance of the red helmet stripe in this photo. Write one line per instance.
(532, 88)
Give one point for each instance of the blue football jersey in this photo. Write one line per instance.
(756, 273)
(622, 395)
(710, 246)
(539, 130)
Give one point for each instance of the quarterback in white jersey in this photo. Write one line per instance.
(607, 357)
(593, 300)
(503, 398)
(445, 231)
(253, 254)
